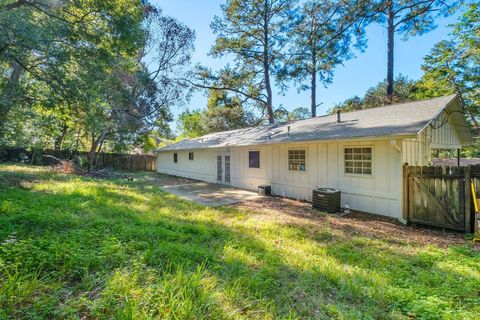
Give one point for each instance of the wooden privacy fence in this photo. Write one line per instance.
(133, 162)
(440, 196)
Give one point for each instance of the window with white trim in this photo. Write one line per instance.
(190, 156)
(358, 160)
(296, 160)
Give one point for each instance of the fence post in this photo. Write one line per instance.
(405, 193)
(468, 199)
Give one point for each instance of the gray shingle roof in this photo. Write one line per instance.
(395, 120)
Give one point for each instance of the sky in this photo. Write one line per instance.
(353, 78)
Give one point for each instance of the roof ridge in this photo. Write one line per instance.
(397, 121)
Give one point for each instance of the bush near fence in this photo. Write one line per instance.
(132, 162)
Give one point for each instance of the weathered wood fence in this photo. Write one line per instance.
(133, 162)
(440, 196)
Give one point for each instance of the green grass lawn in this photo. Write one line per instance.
(74, 247)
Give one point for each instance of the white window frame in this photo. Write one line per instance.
(305, 160)
(362, 161)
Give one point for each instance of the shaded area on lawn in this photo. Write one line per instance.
(93, 248)
(356, 223)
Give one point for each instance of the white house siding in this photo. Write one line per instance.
(201, 168)
(379, 193)
(416, 151)
(439, 135)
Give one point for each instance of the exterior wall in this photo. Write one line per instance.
(378, 193)
(444, 133)
(201, 168)
(416, 152)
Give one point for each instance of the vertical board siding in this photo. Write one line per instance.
(379, 193)
(203, 167)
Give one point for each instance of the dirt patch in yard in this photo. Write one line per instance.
(167, 180)
(68, 167)
(356, 223)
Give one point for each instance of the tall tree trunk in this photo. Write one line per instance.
(93, 149)
(391, 39)
(59, 140)
(10, 94)
(99, 151)
(266, 67)
(314, 82)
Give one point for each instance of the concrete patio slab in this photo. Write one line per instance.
(211, 194)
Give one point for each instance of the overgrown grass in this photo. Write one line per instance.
(75, 247)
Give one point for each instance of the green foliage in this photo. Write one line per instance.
(190, 124)
(407, 18)
(322, 36)
(299, 113)
(405, 90)
(225, 113)
(283, 115)
(414, 17)
(253, 32)
(105, 249)
(74, 74)
(453, 65)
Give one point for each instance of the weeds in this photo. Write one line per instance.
(100, 249)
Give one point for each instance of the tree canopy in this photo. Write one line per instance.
(110, 75)
(86, 74)
(407, 18)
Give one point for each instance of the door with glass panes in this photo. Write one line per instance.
(223, 168)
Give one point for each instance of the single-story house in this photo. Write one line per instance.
(360, 153)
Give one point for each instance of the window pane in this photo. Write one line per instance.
(358, 160)
(254, 159)
(296, 160)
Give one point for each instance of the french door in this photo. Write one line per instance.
(223, 168)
